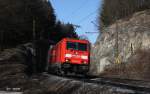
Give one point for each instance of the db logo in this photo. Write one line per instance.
(77, 56)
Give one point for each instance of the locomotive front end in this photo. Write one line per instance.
(77, 56)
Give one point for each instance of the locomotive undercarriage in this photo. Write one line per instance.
(64, 69)
(75, 68)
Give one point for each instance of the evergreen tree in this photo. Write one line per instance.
(117, 9)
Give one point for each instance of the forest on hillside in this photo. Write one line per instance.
(114, 10)
(23, 21)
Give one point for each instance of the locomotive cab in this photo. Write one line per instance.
(77, 56)
(71, 55)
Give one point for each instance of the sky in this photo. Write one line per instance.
(83, 13)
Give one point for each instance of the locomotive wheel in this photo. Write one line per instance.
(60, 72)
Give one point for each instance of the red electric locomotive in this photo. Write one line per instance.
(70, 55)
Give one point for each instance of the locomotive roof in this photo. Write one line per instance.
(75, 40)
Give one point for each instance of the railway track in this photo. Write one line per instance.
(137, 86)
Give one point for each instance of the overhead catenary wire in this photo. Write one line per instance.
(78, 8)
(87, 17)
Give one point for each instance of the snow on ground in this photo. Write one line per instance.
(6, 92)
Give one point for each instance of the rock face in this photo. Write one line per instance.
(133, 34)
(14, 69)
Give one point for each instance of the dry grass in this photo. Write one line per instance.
(13, 72)
(138, 67)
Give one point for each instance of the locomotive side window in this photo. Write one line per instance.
(71, 45)
(82, 47)
(77, 46)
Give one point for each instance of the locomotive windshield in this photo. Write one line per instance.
(77, 46)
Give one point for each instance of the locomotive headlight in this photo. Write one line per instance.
(84, 57)
(84, 62)
(67, 60)
(68, 55)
